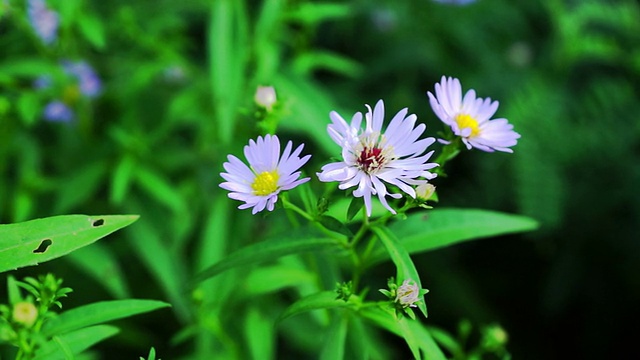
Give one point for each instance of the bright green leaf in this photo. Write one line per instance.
(93, 30)
(322, 300)
(97, 313)
(76, 341)
(259, 335)
(36, 241)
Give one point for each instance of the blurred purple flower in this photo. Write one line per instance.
(44, 20)
(43, 82)
(88, 81)
(58, 111)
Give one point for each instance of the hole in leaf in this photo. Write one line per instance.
(44, 245)
(98, 222)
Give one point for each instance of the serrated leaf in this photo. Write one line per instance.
(321, 300)
(36, 241)
(268, 250)
(75, 342)
(97, 313)
(422, 232)
(400, 257)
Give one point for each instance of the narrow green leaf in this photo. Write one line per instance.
(333, 348)
(259, 335)
(121, 180)
(166, 266)
(334, 224)
(422, 232)
(101, 264)
(76, 341)
(36, 241)
(400, 257)
(409, 336)
(97, 313)
(28, 107)
(13, 291)
(355, 206)
(93, 30)
(160, 189)
(317, 301)
(267, 250)
(79, 186)
(268, 279)
(412, 331)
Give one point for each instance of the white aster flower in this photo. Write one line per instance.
(469, 117)
(268, 173)
(371, 156)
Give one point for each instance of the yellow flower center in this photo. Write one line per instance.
(466, 121)
(265, 183)
(71, 94)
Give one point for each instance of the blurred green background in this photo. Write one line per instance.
(178, 81)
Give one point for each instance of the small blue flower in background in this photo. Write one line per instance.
(84, 82)
(58, 111)
(89, 83)
(45, 21)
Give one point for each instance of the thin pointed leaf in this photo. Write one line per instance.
(400, 257)
(438, 228)
(36, 241)
(267, 250)
(99, 262)
(259, 335)
(76, 341)
(97, 313)
(317, 301)
(334, 344)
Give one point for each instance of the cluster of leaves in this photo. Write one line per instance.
(31, 325)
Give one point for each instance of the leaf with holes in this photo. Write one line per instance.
(36, 241)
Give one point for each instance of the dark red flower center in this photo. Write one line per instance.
(371, 159)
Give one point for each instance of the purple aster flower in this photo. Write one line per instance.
(44, 20)
(88, 80)
(58, 111)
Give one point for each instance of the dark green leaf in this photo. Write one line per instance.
(268, 250)
(322, 300)
(334, 224)
(74, 342)
(434, 229)
(97, 313)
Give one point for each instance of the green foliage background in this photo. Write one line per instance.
(179, 79)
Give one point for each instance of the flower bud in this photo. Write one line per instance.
(25, 313)
(265, 97)
(408, 294)
(425, 191)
